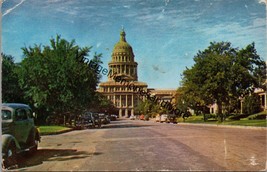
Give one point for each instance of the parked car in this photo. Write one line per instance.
(96, 120)
(158, 118)
(104, 118)
(132, 117)
(85, 121)
(146, 118)
(164, 118)
(89, 120)
(142, 117)
(19, 133)
(113, 117)
(172, 118)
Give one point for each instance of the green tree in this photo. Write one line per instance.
(54, 79)
(11, 91)
(251, 104)
(222, 74)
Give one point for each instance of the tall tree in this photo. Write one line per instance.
(222, 74)
(55, 80)
(11, 90)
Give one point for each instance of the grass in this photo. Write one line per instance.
(241, 122)
(50, 130)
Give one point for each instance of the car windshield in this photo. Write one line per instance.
(6, 114)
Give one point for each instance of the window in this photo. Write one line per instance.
(21, 114)
(129, 100)
(6, 114)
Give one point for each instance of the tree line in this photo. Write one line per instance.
(224, 75)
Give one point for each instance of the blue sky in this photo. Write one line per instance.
(165, 34)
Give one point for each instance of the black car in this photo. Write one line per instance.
(112, 117)
(88, 120)
(104, 118)
(19, 133)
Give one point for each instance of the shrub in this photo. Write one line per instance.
(208, 116)
(238, 116)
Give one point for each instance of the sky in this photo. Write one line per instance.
(165, 34)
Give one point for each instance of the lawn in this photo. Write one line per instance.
(241, 122)
(49, 130)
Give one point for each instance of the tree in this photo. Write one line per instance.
(251, 104)
(55, 81)
(11, 91)
(222, 74)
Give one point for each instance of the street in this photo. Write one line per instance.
(149, 146)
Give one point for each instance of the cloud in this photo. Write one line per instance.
(127, 6)
(13, 8)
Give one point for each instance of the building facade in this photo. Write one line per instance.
(122, 64)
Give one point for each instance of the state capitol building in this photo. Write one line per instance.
(123, 64)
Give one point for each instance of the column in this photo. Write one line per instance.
(126, 113)
(120, 100)
(132, 100)
(120, 113)
(126, 97)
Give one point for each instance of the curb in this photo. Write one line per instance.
(59, 132)
(225, 126)
(220, 125)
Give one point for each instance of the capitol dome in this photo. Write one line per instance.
(122, 48)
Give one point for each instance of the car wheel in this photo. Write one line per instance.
(11, 157)
(33, 145)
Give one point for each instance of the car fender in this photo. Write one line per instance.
(7, 139)
(35, 134)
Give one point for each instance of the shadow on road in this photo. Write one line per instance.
(124, 124)
(52, 155)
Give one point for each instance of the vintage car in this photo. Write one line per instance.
(104, 118)
(19, 133)
(89, 120)
(164, 118)
(158, 118)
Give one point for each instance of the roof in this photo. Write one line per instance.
(122, 46)
(16, 105)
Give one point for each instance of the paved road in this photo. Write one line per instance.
(149, 146)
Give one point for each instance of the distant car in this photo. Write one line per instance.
(104, 118)
(89, 120)
(146, 118)
(158, 118)
(19, 133)
(132, 117)
(97, 120)
(164, 118)
(85, 121)
(113, 117)
(172, 118)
